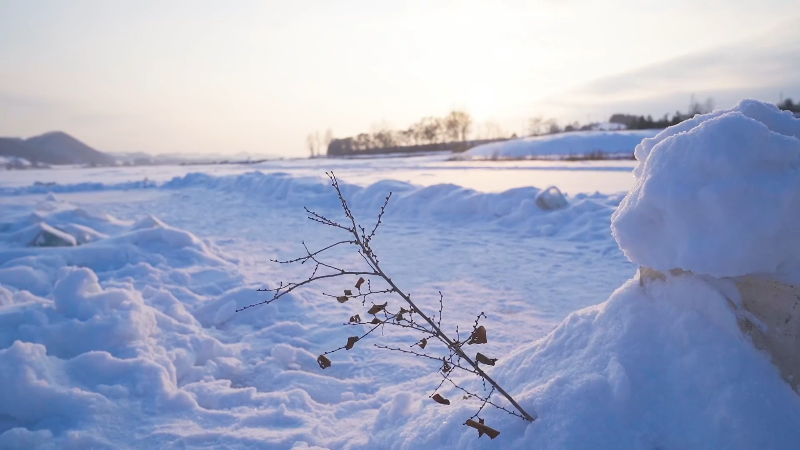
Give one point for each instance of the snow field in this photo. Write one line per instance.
(130, 339)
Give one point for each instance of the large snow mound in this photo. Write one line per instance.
(576, 143)
(782, 122)
(657, 367)
(718, 194)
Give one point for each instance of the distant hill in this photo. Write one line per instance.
(54, 148)
(13, 147)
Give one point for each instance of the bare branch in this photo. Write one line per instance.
(402, 318)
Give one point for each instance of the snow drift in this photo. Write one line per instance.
(659, 367)
(580, 216)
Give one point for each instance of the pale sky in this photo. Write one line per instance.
(257, 76)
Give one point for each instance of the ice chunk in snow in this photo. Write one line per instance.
(43, 235)
(82, 233)
(721, 198)
(551, 198)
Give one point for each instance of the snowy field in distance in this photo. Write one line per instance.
(485, 176)
(574, 143)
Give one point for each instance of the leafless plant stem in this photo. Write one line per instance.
(403, 318)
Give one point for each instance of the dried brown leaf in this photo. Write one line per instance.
(355, 319)
(348, 292)
(377, 308)
(359, 283)
(376, 321)
(351, 341)
(478, 336)
(323, 362)
(441, 400)
(482, 428)
(481, 358)
(423, 343)
(342, 298)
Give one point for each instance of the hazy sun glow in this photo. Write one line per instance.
(257, 76)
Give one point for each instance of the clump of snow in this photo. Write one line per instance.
(576, 143)
(718, 194)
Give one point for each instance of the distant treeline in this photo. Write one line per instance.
(429, 134)
(633, 122)
(335, 148)
(789, 105)
(452, 132)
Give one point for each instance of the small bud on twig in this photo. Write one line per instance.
(446, 368)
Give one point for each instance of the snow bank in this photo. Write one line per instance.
(718, 194)
(522, 209)
(576, 143)
(580, 217)
(663, 366)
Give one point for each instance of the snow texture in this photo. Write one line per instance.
(718, 194)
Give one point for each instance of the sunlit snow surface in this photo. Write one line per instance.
(132, 340)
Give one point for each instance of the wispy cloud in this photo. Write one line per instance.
(766, 65)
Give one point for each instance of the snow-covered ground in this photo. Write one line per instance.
(131, 339)
(611, 143)
(137, 342)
